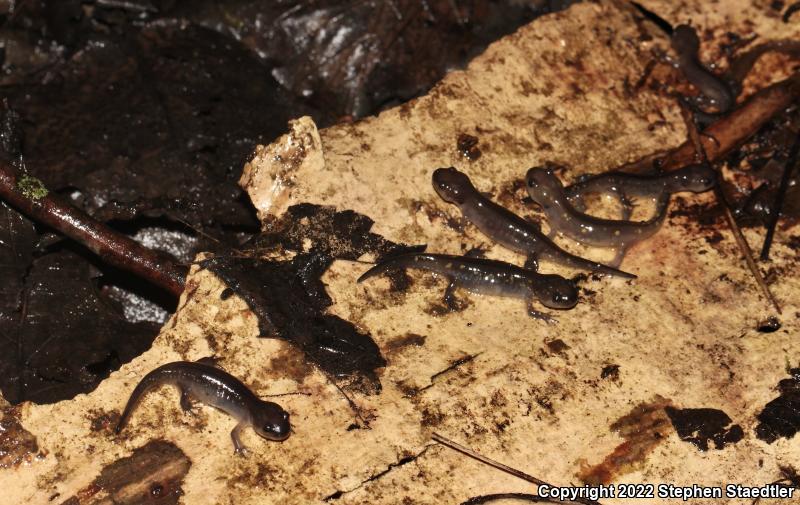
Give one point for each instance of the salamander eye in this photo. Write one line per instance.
(277, 430)
(559, 297)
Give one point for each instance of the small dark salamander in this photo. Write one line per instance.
(694, 178)
(717, 92)
(507, 228)
(214, 386)
(546, 189)
(490, 277)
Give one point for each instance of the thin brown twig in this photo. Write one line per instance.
(694, 135)
(483, 459)
(29, 196)
(782, 188)
(741, 241)
(197, 230)
(721, 137)
(532, 498)
(504, 468)
(350, 402)
(292, 393)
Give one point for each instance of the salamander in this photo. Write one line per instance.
(686, 44)
(694, 178)
(507, 228)
(486, 276)
(215, 387)
(546, 190)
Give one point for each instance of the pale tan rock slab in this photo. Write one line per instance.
(553, 91)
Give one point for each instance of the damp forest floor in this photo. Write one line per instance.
(684, 375)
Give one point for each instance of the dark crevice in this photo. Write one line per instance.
(121, 292)
(452, 366)
(401, 462)
(455, 364)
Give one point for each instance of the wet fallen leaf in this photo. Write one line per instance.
(49, 355)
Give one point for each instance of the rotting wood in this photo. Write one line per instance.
(152, 474)
(724, 135)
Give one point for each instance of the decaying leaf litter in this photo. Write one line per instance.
(528, 394)
(143, 113)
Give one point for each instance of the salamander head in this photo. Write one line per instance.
(271, 421)
(453, 186)
(543, 186)
(556, 292)
(695, 178)
(685, 41)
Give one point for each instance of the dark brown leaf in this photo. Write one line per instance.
(58, 337)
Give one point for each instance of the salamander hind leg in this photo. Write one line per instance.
(578, 203)
(617, 261)
(450, 300)
(627, 206)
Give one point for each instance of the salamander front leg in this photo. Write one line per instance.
(476, 252)
(540, 315)
(532, 263)
(186, 401)
(238, 447)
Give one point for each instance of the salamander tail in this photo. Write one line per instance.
(147, 383)
(378, 269)
(405, 260)
(123, 420)
(574, 261)
(605, 269)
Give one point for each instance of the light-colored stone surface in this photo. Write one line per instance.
(298, 150)
(685, 330)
